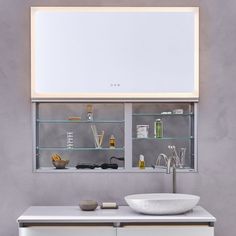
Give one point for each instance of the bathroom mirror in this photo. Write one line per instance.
(114, 53)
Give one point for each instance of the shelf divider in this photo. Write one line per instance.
(128, 136)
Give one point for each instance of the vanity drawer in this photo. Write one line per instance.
(67, 231)
(166, 230)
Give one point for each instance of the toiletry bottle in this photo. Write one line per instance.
(70, 139)
(90, 112)
(141, 163)
(112, 141)
(158, 128)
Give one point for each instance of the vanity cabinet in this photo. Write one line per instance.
(54, 121)
(166, 230)
(67, 231)
(160, 230)
(71, 221)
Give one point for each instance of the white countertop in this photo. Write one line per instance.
(73, 214)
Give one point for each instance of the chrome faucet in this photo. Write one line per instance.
(166, 159)
(170, 162)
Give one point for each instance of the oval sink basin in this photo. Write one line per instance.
(162, 203)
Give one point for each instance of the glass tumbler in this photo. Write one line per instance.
(182, 157)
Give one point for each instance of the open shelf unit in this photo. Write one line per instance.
(51, 123)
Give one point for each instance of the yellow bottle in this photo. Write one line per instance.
(141, 163)
(112, 141)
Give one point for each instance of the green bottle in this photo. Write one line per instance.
(158, 128)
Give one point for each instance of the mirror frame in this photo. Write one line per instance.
(190, 96)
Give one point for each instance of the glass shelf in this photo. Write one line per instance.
(159, 114)
(75, 170)
(79, 121)
(79, 149)
(165, 138)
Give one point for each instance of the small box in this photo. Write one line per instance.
(178, 111)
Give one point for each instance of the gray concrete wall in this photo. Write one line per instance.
(216, 180)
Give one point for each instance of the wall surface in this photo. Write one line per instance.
(216, 180)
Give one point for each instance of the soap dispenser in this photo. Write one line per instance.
(141, 163)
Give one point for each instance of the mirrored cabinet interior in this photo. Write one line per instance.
(112, 137)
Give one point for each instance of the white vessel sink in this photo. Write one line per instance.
(162, 203)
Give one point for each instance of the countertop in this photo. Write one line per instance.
(73, 214)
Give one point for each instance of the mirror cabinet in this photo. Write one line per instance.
(112, 87)
(82, 133)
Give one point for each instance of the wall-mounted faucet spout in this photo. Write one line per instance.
(160, 157)
(169, 162)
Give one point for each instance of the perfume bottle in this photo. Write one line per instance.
(90, 112)
(112, 141)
